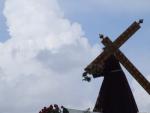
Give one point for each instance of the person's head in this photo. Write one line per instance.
(62, 107)
(44, 110)
(51, 106)
(55, 105)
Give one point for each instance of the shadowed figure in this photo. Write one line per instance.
(115, 95)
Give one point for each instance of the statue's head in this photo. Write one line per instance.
(99, 70)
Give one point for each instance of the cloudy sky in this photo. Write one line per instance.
(45, 45)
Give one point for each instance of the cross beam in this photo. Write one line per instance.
(127, 64)
(97, 66)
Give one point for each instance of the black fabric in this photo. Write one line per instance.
(65, 110)
(115, 95)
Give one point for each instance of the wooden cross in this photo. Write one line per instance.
(96, 66)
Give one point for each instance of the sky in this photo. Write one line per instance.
(45, 45)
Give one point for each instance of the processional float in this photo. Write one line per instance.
(115, 95)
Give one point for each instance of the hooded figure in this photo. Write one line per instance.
(115, 95)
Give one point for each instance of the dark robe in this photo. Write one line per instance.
(115, 95)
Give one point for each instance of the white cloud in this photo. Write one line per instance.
(142, 97)
(43, 61)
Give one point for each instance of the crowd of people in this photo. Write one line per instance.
(54, 109)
